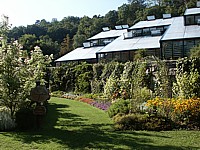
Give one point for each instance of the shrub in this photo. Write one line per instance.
(139, 121)
(25, 119)
(130, 122)
(6, 122)
(120, 106)
(83, 75)
(184, 112)
(158, 123)
(57, 94)
(111, 87)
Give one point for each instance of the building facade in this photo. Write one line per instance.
(166, 38)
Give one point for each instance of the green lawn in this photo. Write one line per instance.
(74, 125)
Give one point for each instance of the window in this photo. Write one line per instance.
(132, 54)
(153, 52)
(108, 56)
(116, 56)
(138, 32)
(197, 19)
(190, 20)
(177, 49)
(146, 31)
(124, 56)
(167, 49)
(197, 42)
(188, 44)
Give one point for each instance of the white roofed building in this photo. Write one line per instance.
(166, 38)
(92, 45)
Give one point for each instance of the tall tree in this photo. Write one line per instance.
(84, 31)
(66, 45)
(28, 41)
(17, 71)
(111, 18)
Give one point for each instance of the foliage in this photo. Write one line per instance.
(63, 77)
(184, 112)
(28, 41)
(187, 84)
(107, 71)
(6, 121)
(112, 87)
(57, 94)
(187, 78)
(130, 122)
(120, 106)
(162, 80)
(83, 73)
(96, 86)
(137, 121)
(139, 54)
(12, 76)
(66, 45)
(18, 72)
(25, 119)
(195, 52)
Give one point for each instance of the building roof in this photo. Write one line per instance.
(80, 54)
(192, 11)
(108, 34)
(177, 30)
(121, 44)
(152, 23)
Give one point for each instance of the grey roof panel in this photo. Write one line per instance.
(108, 34)
(80, 54)
(152, 23)
(177, 30)
(192, 31)
(192, 11)
(121, 44)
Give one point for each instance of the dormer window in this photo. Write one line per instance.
(191, 16)
(86, 45)
(189, 20)
(155, 32)
(198, 22)
(128, 35)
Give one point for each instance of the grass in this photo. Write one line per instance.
(74, 125)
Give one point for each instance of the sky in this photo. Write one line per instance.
(26, 12)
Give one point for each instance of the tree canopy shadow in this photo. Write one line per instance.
(73, 132)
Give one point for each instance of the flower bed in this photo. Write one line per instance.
(184, 112)
(98, 104)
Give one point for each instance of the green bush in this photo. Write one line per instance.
(130, 122)
(25, 119)
(57, 94)
(6, 122)
(83, 75)
(139, 121)
(158, 123)
(120, 106)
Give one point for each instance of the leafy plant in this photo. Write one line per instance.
(187, 83)
(6, 121)
(25, 119)
(18, 71)
(83, 78)
(120, 106)
(130, 122)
